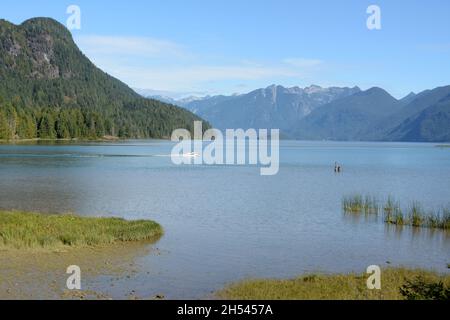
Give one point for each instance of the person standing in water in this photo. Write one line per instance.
(337, 167)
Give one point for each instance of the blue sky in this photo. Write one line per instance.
(224, 47)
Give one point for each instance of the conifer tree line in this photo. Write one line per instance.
(20, 122)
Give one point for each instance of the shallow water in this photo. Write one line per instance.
(226, 223)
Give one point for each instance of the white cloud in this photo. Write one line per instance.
(160, 64)
(193, 77)
(131, 46)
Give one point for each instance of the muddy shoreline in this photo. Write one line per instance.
(42, 275)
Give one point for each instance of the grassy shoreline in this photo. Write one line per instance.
(396, 284)
(31, 231)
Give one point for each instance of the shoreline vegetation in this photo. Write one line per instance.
(414, 215)
(106, 138)
(396, 284)
(35, 231)
(100, 139)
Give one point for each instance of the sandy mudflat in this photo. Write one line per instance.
(41, 274)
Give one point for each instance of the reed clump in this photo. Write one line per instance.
(415, 215)
(360, 204)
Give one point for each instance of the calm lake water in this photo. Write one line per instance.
(226, 223)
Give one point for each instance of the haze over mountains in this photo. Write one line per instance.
(345, 114)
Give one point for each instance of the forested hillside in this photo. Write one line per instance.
(49, 89)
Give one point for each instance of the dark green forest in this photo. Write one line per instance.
(50, 90)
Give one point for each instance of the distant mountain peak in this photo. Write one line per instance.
(377, 91)
(313, 89)
(409, 97)
(411, 94)
(272, 107)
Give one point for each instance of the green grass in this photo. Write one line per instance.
(415, 215)
(352, 204)
(391, 206)
(396, 284)
(360, 204)
(22, 230)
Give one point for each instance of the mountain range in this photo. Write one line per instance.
(316, 113)
(272, 107)
(49, 89)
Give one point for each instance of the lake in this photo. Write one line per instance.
(227, 223)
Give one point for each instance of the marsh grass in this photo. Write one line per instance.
(334, 287)
(24, 230)
(393, 212)
(415, 215)
(352, 204)
(391, 206)
(360, 204)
